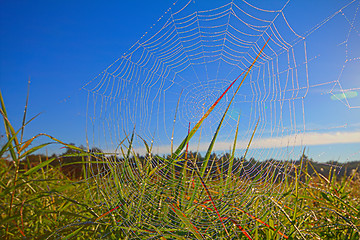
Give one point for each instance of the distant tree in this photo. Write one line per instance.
(72, 162)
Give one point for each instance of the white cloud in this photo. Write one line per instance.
(305, 139)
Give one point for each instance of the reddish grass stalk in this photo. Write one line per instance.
(241, 228)
(103, 215)
(283, 204)
(198, 124)
(208, 193)
(262, 222)
(227, 89)
(22, 233)
(201, 204)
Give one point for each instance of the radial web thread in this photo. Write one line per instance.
(188, 58)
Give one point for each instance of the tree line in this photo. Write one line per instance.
(73, 164)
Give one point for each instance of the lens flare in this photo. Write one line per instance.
(343, 95)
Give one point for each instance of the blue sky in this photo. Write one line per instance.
(62, 45)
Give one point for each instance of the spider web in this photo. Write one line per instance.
(199, 53)
(176, 71)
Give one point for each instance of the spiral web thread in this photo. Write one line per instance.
(191, 56)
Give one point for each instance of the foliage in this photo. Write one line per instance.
(39, 200)
(49, 205)
(175, 197)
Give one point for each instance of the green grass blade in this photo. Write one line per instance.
(130, 144)
(252, 136)
(8, 127)
(11, 137)
(37, 167)
(231, 160)
(25, 111)
(8, 145)
(211, 146)
(34, 149)
(73, 234)
(186, 221)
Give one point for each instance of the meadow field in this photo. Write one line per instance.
(161, 197)
(215, 120)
